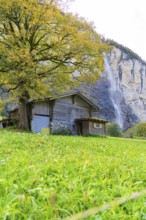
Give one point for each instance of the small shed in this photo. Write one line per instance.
(6, 122)
(91, 125)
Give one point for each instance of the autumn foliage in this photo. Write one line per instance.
(44, 51)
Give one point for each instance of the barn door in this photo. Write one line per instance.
(79, 128)
(39, 122)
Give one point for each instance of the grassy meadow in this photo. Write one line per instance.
(55, 177)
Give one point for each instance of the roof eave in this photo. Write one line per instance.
(92, 119)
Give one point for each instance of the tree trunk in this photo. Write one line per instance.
(22, 115)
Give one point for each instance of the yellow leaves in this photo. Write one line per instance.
(1, 104)
(41, 48)
(69, 30)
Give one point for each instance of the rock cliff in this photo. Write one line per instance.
(121, 91)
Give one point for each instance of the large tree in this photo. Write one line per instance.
(44, 51)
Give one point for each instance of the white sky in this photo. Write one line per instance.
(121, 20)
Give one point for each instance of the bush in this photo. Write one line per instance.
(131, 131)
(96, 135)
(138, 130)
(114, 130)
(62, 131)
(141, 129)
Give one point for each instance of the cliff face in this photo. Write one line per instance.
(130, 78)
(121, 91)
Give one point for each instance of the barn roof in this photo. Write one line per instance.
(98, 120)
(83, 97)
(87, 100)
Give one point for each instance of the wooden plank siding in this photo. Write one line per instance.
(93, 130)
(66, 110)
(40, 108)
(91, 126)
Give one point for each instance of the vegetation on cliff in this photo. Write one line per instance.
(131, 54)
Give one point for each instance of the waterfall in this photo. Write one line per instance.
(114, 93)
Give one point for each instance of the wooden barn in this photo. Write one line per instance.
(68, 112)
(73, 112)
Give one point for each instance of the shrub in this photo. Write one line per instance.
(141, 129)
(131, 131)
(114, 130)
(96, 135)
(138, 130)
(62, 131)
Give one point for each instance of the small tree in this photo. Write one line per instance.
(138, 130)
(141, 129)
(114, 130)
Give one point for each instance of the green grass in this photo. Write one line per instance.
(53, 177)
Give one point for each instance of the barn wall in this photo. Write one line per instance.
(93, 130)
(60, 113)
(66, 110)
(40, 108)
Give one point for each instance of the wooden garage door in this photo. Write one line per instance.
(39, 122)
